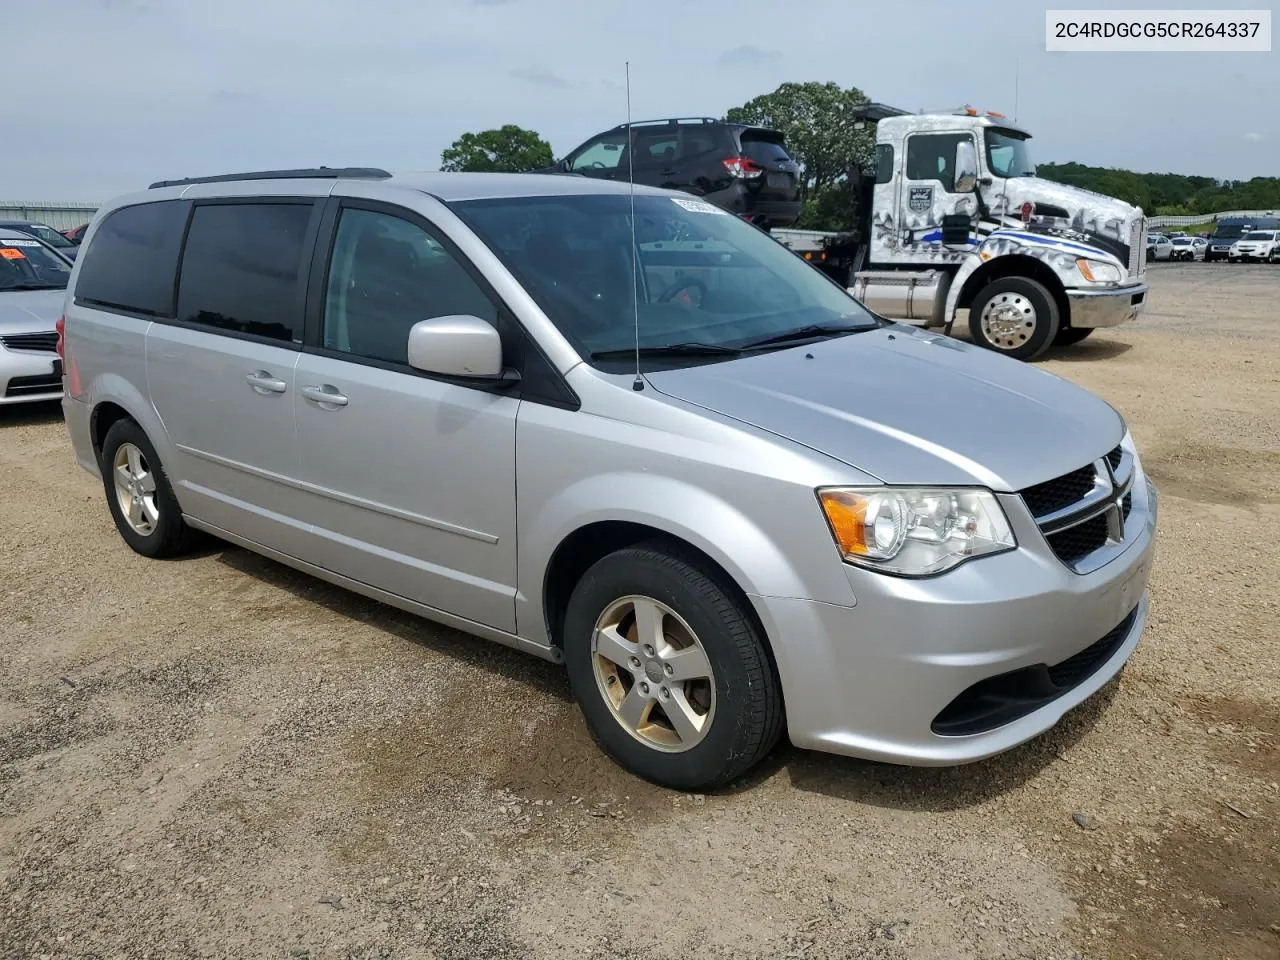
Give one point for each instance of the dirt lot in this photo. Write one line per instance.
(217, 757)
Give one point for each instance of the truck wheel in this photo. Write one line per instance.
(670, 671)
(1070, 335)
(1015, 316)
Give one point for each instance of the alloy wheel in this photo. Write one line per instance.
(653, 673)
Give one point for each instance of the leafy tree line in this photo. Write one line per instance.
(1169, 194)
(816, 119)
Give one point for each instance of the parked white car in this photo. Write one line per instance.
(1256, 245)
(1188, 248)
(1159, 248)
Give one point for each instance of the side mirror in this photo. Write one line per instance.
(966, 167)
(457, 346)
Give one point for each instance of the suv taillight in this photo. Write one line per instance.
(61, 327)
(743, 168)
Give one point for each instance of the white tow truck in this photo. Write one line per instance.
(954, 218)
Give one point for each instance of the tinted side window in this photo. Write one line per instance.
(385, 275)
(884, 162)
(131, 262)
(932, 156)
(241, 268)
(656, 146)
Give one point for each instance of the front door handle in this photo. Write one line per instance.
(264, 383)
(326, 395)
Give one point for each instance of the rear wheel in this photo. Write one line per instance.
(1071, 335)
(670, 671)
(1016, 316)
(139, 497)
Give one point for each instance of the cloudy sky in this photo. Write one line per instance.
(111, 94)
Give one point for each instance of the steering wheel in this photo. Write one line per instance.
(683, 283)
(595, 165)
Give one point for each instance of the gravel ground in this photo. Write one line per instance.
(217, 757)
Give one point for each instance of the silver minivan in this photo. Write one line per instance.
(621, 430)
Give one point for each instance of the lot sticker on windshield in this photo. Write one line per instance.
(20, 243)
(10, 254)
(698, 206)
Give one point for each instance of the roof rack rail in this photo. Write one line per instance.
(669, 120)
(305, 173)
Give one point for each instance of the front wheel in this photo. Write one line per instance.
(670, 670)
(1070, 335)
(1016, 316)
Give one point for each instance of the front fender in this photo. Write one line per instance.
(750, 555)
(1052, 253)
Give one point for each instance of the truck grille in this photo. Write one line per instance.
(1138, 247)
(44, 342)
(1083, 511)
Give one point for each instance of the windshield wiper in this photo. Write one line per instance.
(692, 349)
(811, 332)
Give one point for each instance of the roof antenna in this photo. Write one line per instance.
(1016, 65)
(638, 382)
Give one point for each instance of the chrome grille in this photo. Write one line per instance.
(1084, 511)
(1138, 247)
(44, 342)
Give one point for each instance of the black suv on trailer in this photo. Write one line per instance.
(743, 169)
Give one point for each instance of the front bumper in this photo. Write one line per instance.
(871, 680)
(29, 376)
(1106, 308)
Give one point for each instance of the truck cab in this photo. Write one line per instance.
(958, 220)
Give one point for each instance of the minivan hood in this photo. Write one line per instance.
(910, 407)
(30, 311)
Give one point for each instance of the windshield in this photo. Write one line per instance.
(29, 265)
(1007, 154)
(1230, 232)
(1259, 235)
(1180, 241)
(706, 278)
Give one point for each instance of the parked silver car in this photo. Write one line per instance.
(656, 446)
(33, 281)
(1188, 248)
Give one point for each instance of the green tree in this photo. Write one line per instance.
(509, 149)
(817, 120)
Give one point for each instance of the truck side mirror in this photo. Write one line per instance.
(966, 168)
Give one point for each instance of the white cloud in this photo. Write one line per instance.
(1252, 137)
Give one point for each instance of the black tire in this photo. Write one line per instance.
(1069, 335)
(748, 714)
(170, 535)
(1044, 326)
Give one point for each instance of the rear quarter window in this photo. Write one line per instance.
(133, 258)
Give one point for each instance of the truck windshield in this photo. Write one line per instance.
(708, 285)
(1231, 231)
(1007, 154)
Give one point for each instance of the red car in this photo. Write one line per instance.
(76, 234)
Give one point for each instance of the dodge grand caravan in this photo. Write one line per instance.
(632, 434)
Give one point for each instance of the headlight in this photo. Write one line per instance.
(1095, 271)
(914, 532)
